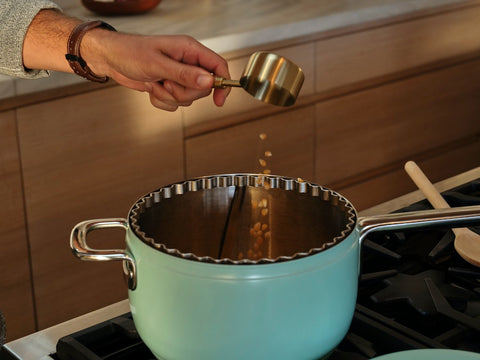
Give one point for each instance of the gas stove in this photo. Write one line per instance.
(415, 292)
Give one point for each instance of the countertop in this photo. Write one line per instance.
(230, 25)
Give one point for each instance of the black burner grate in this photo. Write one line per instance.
(115, 339)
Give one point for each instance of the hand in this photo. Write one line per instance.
(175, 70)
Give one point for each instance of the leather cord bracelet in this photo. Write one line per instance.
(73, 56)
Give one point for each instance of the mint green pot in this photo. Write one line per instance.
(301, 307)
(297, 309)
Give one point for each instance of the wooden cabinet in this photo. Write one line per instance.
(16, 300)
(377, 54)
(238, 149)
(371, 129)
(85, 157)
(390, 184)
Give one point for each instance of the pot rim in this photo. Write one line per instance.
(239, 180)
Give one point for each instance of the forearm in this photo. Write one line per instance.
(175, 70)
(45, 43)
(46, 40)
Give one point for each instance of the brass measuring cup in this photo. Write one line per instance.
(268, 77)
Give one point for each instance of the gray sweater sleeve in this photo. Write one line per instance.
(15, 18)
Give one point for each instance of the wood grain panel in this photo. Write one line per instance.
(238, 149)
(369, 129)
(396, 182)
(84, 157)
(394, 48)
(240, 101)
(16, 299)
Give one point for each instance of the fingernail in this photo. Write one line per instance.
(204, 81)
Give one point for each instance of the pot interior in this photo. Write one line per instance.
(242, 219)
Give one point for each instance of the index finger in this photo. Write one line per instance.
(187, 50)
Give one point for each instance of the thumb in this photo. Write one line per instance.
(204, 81)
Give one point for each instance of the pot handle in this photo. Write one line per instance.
(452, 217)
(80, 248)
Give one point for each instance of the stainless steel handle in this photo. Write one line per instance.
(455, 217)
(80, 248)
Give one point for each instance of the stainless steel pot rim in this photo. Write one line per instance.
(254, 180)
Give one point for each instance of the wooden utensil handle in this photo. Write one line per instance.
(422, 182)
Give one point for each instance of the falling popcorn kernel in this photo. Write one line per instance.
(257, 226)
(264, 212)
(262, 162)
(267, 171)
(262, 136)
(254, 204)
(268, 153)
(300, 180)
(266, 186)
(263, 203)
(259, 180)
(264, 227)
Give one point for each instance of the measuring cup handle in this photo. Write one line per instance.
(221, 83)
(80, 248)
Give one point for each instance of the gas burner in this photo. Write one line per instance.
(115, 339)
(444, 307)
(413, 290)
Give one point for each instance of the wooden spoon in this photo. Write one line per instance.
(467, 243)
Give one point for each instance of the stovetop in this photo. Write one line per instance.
(415, 292)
